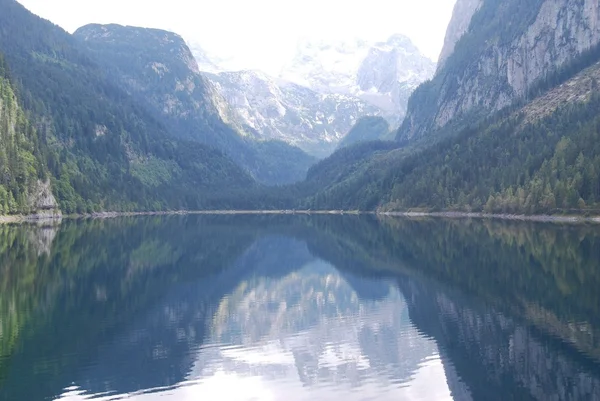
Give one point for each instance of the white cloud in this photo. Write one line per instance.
(261, 33)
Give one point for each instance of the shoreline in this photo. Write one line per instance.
(50, 218)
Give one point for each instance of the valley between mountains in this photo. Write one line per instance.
(116, 118)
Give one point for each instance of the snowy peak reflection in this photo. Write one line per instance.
(276, 315)
(311, 325)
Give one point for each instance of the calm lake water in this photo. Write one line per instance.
(299, 308)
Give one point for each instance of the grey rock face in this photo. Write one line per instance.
(562, 30)
(501, 70)
(41, 198)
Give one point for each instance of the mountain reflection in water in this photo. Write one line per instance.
(299, 308)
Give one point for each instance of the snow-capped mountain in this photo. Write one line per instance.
(322, 92)
(382, 73)
(275, 109)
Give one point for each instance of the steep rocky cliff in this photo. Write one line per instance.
(508, 47)
(41, 200)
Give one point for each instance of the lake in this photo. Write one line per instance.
(299, 308)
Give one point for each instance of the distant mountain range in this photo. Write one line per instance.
(323, 91)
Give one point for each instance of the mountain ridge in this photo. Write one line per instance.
(508, 124)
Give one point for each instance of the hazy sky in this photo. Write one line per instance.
(262, 33)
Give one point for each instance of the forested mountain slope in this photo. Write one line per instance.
(158, 69)
(103, 150)
(539, 154)
(544, 157)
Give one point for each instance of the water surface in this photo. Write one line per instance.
(299, 308)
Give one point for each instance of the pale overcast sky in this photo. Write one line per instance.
(261, 33)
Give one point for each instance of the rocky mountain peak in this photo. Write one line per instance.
(326, 66)
(327, 87)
